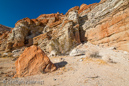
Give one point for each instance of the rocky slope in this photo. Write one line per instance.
(107, 24)
(4, 31)
(88, 46)
(104, 23)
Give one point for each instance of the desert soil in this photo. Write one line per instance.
(72, 71)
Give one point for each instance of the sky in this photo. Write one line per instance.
(13, 10)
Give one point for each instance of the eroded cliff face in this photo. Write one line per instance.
(4, 31)
(56, 33)
(105, 23)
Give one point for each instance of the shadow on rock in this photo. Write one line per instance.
(60, 64)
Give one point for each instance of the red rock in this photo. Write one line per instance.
(36, 21)
(28, 20)
(55, 23)
(33, 61)
(44, 21)
(44, 16)
(113, 31)
(74, 8)
(84, 7)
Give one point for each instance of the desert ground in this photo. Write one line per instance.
(72, 71)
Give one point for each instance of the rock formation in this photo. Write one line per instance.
(107, 23)
(104, 23)
(33, 61)
(4, 31)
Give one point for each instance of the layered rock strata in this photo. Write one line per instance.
(105, 23)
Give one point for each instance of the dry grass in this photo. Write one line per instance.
(96, 60)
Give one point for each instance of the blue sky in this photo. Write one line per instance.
(13, 10)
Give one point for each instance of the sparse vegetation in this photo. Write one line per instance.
(95, 55)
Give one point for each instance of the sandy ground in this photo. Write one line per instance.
(72, 71)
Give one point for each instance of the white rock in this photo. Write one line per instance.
(106, 58)
(81, 60)
(76, 52)
(125, 52)
(112, 48)
(5, 54)
(53, 53)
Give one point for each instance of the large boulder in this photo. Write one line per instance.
(33, 61)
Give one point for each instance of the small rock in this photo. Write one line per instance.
(7, 75)
(77, 52)
(125, 52)
(81, 60)
(16, 51)
(106, 58)
(5, 79)
(1, 67)
(81, 57)
(62, 59)
(112, 48)
(54, 79)
(14, 59)
(2, 72)
(5, 54)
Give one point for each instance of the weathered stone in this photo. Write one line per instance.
(4, 31)
(107, 24)
(77, 52)
(33, 61)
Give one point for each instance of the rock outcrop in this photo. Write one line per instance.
(107, 24)
(60, 36)
(48, 31)
(4, 31)
(33, 61)
(104, 23)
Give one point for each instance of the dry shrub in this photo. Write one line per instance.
(93, 54)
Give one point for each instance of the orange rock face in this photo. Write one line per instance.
(103, 23)
(28, 20)
(74, 8)
(43, 16)
(4, 31)
(84, 7)
(33, 61)
(112, 31)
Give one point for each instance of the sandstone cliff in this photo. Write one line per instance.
(4, 31)
(105, 23)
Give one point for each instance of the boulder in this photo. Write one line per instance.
(33, 61)
(77, 52)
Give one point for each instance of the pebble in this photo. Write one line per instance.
(5, 54)
(81, 57)
(125, 52)
(54, 79)
(5, 79)
(62, 59)
(81, 60)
